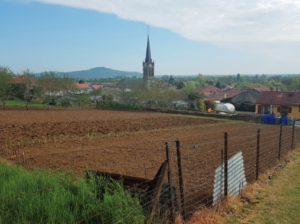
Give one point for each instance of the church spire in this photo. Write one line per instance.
(148, 52)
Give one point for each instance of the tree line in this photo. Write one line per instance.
(48, 89)
(285, 83)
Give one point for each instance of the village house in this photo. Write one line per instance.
(217, 94)
(83, 88)
(280, 103)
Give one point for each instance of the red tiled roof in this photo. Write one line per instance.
(97, 86)
(260, 88)
(82, 86)
(279, 98)
(21, 79)
(207, 89)
(220, 95)
(229, 86)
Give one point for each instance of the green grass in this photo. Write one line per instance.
(20, 103)
(279, 202)
(63, 203)
(211, 118)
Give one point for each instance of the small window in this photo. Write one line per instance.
(279, 109)
(290, 110)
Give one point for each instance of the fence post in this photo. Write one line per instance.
(180, 179)
(226, 164)
(280, 135)
(257, 153)
(170, 184)
(293, 134)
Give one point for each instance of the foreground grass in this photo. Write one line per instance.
(277, 203)
(64, 202)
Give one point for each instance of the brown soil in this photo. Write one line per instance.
(140, 154)
(23, 125)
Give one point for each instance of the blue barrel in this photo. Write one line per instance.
(271, 119)
(266, 119)
(283, 120)
(277, 120)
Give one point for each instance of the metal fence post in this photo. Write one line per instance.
(293, 133)
(170, 184)
(226, 164)
(180, 179)
(257, 153)
(280, 135)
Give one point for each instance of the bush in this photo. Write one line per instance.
(201, 105)
(66, 102)
(116, 105)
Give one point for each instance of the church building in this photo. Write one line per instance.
(148, 64)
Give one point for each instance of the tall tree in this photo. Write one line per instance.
(218, 85)
(172, 80)
(28, 92)
(238, 77)
(6, 81)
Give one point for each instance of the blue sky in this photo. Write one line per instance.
(52, 37)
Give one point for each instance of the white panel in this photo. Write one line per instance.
(236, 177)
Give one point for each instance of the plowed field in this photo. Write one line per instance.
(136, 144)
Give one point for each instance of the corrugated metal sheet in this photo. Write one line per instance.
(236, 177)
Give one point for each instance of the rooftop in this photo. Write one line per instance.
(82, 86)
(279, 98)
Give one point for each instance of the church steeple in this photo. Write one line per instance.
(148, 64)
(148, 52)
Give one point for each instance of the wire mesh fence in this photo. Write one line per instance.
(169, 178)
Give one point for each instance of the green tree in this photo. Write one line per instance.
(179, 84)
(110, 98)
(296, 82)
(81, 81)
(201, 79)
(28, 92)
(218, 85)
(202, 105)
(6, 81)
(172, 80)
(238, 77)
(190, 85)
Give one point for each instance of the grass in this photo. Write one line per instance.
(278, 202)
(20, 103)
(212, 118)
(64, 202)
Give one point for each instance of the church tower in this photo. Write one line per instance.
(148, 64)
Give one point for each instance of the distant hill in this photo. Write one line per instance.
(99, 72)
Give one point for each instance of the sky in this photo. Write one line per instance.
(187, 37)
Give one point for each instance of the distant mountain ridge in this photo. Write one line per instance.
(98, 72)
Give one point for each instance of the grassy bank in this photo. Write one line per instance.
(67, 200)
(278, 202)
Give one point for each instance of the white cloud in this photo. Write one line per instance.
(260, 26)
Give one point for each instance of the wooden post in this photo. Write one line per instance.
(280, 135)
(170, 184)
(257, 153)
(157, 190)
(23, 158)
(293, 134)
(226, 164)
(180, 171)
